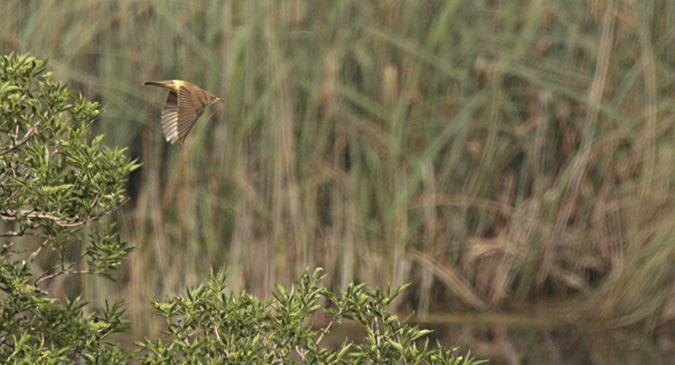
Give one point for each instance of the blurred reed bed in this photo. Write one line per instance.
(492, 153)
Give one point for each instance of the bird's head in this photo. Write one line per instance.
(214, 99)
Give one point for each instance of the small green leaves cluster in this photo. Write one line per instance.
(53, 183)
(37, 329)
(210, 326)
(51, 177)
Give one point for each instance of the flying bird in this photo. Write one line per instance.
(184, 105)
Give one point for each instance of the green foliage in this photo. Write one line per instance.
(52, 177)
(211, 326)
(53, 182)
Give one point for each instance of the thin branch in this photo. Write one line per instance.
(76, 221)
(300, 352)
(27, 137)
(33, 255)
(20, 232)
(63, 270)
(325, 330)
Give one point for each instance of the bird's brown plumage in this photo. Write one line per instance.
(183, 106)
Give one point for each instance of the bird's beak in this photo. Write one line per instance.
(219, 100)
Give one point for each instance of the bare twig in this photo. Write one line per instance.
(26, 137)
(76, 221)
(325, 330)
(33, 255)
(20, 232)
(63, 270)
(300, 352)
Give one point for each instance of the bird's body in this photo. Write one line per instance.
(184, 105)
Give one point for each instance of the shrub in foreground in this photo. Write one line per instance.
(53, 184)
(209, 325)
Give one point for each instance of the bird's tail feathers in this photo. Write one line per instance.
(167, 84)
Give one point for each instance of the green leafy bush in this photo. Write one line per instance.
(53, 182)
(212, 326)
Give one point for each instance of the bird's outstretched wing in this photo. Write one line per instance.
(170, 118)
(190, 107)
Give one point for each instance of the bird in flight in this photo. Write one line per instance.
(184, 105)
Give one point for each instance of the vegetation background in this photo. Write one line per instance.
(513, 160)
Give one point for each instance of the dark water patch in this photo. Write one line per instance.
(524, 339)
